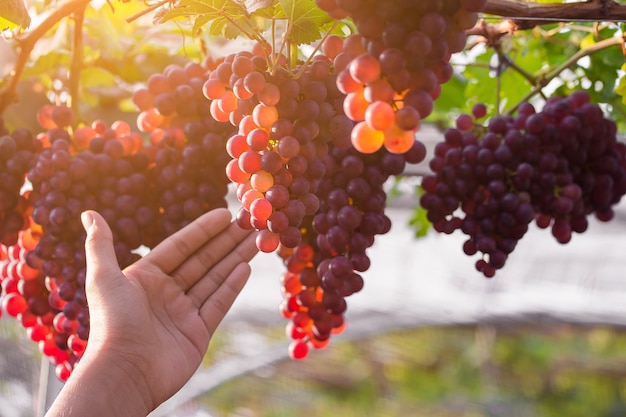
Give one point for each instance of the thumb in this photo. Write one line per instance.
(99, 253)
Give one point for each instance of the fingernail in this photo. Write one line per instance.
(87, 219)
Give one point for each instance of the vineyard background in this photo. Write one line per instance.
(552, 318)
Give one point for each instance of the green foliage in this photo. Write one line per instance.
(473, 371)
(305, 20)
(13, 15)
(418, 221)
(537, 61)
(233, 19)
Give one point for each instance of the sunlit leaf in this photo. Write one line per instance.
(255, 5)
(418, 221)
(200, 22)
(192, 8)
(305, 18)
(48, 64)
(621, 86)
(13, 14)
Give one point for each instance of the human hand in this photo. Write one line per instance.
(154, 320)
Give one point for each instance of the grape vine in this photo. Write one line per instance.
(305, 126)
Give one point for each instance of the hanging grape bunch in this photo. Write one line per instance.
(556, 167)
(393, 69)
(145, 193)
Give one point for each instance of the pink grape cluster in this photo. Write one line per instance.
(393, 69)
(26, 296)
(556, 167)
(326, 267)
(145, 192)
(285, 126)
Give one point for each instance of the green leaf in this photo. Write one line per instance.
(305, 20)
(193, 8)
(217, 26)
(226, 17)
(255, 5)
(621, 86)
(13, 14)
(222, 26)
(97, 82)
(265, 13)
(48, 64)
(200, 22)
(231, 31)
(97, 77)
(418, 221)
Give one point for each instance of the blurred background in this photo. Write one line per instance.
(428, 335)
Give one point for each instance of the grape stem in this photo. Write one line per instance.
(27, 41)
(317, 48)
(544, 80)
(147, 10)
(504, 61)
(77, 61)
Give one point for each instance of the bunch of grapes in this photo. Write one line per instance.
(556, 167)
(29, 296)
(285, 126)
(189, 174)
(393, 69)
(325, 268)
(17, 151)
(109, 176)
(170, 98)
(189, 144)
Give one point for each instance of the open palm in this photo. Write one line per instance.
(159, 314)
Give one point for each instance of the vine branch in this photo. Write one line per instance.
(543, 81)
(27, 41)
(147, 10)
(527, 14)
(77, 60)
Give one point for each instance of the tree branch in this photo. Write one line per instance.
(27, 41)
(541, 13)
(543, 81)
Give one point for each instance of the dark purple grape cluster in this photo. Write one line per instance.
(188, 142)
(64, 185)
(325, 268)
(17, 151)
(556, 167)
(189, 176)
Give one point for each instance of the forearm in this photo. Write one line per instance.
(101, 388)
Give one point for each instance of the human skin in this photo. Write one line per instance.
(151, 323)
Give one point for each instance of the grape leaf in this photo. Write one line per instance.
(419, 221)
(265, 13)
(200, 22)
(13, 14)
(195, 8)
(621, 86)
(226, 16)
(254, 5)
(305, 18)
(47, 64)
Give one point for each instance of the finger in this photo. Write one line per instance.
(99, 252)
(209, 255)
(215, 278)
(216, 307)
(169, 254)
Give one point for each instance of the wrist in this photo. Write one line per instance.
(103, 384)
